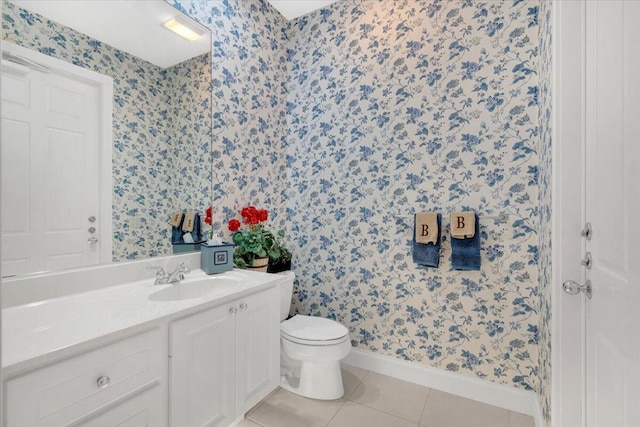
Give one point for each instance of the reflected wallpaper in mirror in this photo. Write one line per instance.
(161, 130)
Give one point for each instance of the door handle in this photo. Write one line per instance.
(92, 240)
(572, 287)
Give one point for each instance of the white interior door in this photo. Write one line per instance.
(50, 163)
(612, 203)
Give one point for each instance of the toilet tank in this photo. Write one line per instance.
(286, 292)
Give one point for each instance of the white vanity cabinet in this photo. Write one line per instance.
(120, 383)
(224, 360)
(139, 361)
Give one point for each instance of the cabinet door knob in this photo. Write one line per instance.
(103, 381)
(243, 307)
(232, 310)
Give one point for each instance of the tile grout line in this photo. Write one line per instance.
(424, 408)
(259, 404)
(388, 413)
(256, 422)
(334, 415)
(383, 412)
(357, 385)
(346, 399)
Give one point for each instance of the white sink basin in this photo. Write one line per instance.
(197, 289)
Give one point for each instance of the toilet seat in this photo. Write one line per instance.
(311, 330)
(312, 343)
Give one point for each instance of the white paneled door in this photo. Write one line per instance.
(613, 209)
(51, 166)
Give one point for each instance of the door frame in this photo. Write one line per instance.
(568, 215)
(104, 84)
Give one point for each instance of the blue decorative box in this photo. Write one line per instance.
(216, 258)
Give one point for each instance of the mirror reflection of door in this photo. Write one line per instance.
(51, 164)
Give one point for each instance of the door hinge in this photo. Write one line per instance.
(587, 231)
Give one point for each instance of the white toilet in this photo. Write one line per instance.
(310, 350)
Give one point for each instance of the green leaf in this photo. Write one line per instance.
(237, 238)
(273, 253)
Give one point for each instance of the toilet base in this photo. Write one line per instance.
(315, 380)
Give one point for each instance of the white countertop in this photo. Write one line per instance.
(33, 334)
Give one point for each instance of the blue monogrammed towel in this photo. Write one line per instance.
(427, 254)
(465, 253)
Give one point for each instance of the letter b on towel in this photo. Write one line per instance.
(426, 227)
(463, 224)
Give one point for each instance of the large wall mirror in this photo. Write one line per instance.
(106, 130)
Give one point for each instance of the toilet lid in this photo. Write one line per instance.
(313, 328)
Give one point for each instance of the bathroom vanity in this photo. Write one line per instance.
(201, 352)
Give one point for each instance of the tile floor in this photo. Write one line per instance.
(374, 400)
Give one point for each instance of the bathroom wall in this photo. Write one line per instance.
(364, 110)
(188, 132)
(397, 107)
(545, 261)
(249, 69)
(150, 166)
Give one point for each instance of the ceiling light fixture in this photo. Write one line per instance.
(184, 28)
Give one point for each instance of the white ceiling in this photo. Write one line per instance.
(291, 9)
(135, 26)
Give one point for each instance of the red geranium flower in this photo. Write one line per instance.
(250, 215)
(248, 211)
(234, 225)
(253, 216)
(209, 217)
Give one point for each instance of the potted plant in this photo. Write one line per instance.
(254, 243)
(279, 256)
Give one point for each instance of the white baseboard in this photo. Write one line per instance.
(511, 398)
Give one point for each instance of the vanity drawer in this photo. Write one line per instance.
(64, 392)
(146, 409)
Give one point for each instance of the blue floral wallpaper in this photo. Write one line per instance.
(545, 260)
(188, 132)
(154, 169)
(404, 106)
(249, 67)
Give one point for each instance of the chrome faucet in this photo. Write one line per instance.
(162, 277)
(179, 273)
